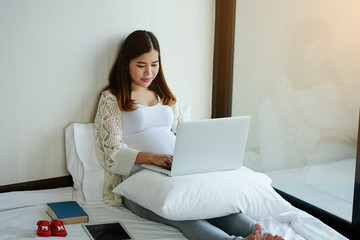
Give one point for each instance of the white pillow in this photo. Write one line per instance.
(204, 196)
(82, 163)
(272, 145)
(73, 163)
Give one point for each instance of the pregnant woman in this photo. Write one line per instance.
(136, 122)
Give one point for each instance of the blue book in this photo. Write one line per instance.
(69, 212)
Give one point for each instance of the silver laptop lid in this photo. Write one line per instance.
(210, 145)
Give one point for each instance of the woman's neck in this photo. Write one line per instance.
(144, 96)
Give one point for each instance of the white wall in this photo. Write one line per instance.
(55, 58)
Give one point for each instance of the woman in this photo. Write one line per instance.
(319, 123)
(136, 123)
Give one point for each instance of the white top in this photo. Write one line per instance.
(322, 107)
(148, 129)
(113, 153)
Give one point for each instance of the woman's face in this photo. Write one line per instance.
(315, 54)
(144, 69)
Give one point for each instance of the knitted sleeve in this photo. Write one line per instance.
(114, 155)
(300, 137)
(178, 116)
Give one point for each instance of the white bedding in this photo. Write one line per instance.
(329, 186)
(19, 212)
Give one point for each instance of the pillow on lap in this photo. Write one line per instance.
(204, 196)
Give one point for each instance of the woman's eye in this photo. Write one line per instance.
(140, 66)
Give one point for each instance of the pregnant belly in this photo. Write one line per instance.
(156, 140)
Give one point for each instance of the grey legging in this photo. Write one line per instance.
(234, 226)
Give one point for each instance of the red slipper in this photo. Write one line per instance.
(43, 228)
(58, 228)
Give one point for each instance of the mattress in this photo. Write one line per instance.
(329, 186)
(20, 211)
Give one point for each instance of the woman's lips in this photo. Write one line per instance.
(146, 79)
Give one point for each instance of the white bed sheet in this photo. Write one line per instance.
(21, 210)
(329, 186)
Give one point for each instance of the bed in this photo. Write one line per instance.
(20, 210)
(318, 185)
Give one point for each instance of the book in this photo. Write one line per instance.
(107, 231)
(69, 212)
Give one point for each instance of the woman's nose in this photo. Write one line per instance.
(148, 70)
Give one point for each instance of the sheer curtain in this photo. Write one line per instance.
(296, 73)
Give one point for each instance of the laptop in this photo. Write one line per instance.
(207, 146)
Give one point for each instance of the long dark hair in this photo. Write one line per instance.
(136, 44)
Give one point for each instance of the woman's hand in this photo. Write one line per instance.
(162, 160)
(344, 136)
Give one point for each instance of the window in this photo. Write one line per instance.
(296, 73)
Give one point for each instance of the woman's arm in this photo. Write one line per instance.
(113, 153)
(178, 116)
(339, 135)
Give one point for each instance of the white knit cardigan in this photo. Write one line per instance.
(112, 152)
